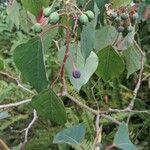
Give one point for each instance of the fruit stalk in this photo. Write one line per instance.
(62, 70)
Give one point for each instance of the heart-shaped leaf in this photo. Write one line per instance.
(111, 64)
(49, 106)
(122, 140)
(72, 136)
(87, 67)
(28, 57)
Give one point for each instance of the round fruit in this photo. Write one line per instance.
(76, 73)
(47, 11)
(114, 15)
(124, 16)
(90, 14)
(129, 29)
(83, 19)
(54, 18)
(120, 29)
(135, 16)
(37, 28)
(117, 20)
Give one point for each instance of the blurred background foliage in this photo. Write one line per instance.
(41, 135)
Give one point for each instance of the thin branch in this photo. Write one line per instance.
(86, 4)
(81, 104)
(127, 110)
(95, 112)
(35, 117)
(137, 87)
(9, 78)
(50, 28)
(109, 118)
(110, 147)
(4, 106)
(98, 138)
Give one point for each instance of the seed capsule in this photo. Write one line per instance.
(83, 19)
(47, 11)
(120, 29)
(124, 16)
(54, 18)
(37, 28)
(90, 14)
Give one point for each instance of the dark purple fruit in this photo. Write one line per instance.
(120, 29)
(76, 73)
(124, 16)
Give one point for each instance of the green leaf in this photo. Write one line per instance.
(87, 67)
(5, 123)
(120, 3)
(122, 140)
(133, 59)
(87, 39)
(35, 6)
(104, 37)
(4, 115)
(101, 3)
(13, 13)
(1, 64)
(48, 37)
(28, 57)
(111, 64)
(72, 136)
(49, 106)
(126, 42)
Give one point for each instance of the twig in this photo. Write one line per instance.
(9, 78)
(97, 138)
(137, 87)
(85, 5)
(115, 38)
(127, 110)
(35, 117)
(50, 28)
(14, 104)
(108, 117)
(62, 70)
(110, 147)
(81, 104)
(95, 112)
